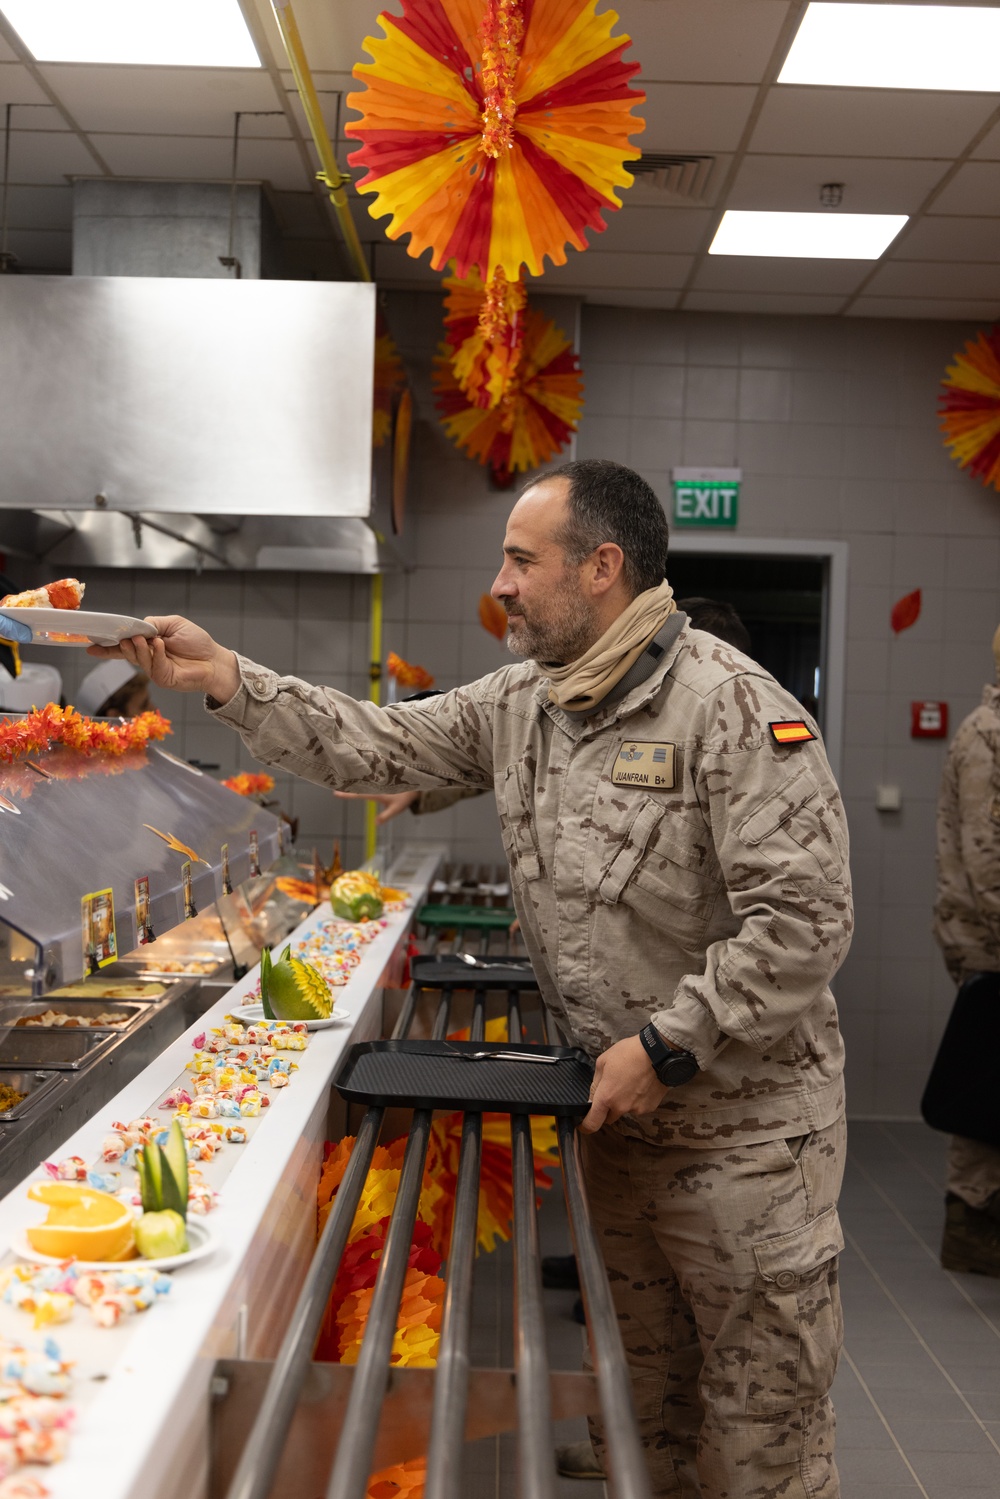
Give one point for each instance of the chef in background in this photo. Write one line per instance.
(114, 689)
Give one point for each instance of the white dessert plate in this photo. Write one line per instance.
(252, 1013)
(201, 1239)
(79, 626)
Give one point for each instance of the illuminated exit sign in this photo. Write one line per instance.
(706, 496)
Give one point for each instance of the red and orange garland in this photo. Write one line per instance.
(407, 674)
(247, 783)
(44, 727)
(502, 35)
(970, 408)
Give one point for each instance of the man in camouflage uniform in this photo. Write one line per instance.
(678, 860)
(967, 925)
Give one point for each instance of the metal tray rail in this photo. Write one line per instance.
(62, 1050)
(373, 1384)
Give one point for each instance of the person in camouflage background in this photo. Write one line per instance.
(678, 856)
(967, 926)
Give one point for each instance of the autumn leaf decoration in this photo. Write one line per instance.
(178, 847)
(905, 611)
(492, 616)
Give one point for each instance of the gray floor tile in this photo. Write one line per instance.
(943, 1438)
(957, 1469)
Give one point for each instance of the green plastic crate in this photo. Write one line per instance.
(485, 918)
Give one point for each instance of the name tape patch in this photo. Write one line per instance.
(643, 764)
(791, 731)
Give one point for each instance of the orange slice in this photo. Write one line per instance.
(81, 1223)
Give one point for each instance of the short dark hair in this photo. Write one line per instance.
(609, 502)
(717, 618)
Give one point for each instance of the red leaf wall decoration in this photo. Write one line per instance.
(905, 611)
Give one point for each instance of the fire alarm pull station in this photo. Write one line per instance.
(928, 720)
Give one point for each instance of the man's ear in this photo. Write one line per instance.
(607, 562)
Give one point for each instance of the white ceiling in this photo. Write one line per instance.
(708, 67)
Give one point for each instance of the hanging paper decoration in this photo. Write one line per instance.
(389, 378)
(484, 330)
(249, 783)
(970, 407)
(402, 436)
(495, 141)
(535, 419)
(406, 674)
(905, 611)
(44, 727)
(492, 616)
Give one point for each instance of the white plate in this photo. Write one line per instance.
(95, 629)
(253, 1013)
(200, 1239)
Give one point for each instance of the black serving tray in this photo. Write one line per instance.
(443, 972)
(429, 1075)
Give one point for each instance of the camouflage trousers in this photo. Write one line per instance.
(723, 1269)
(973, 1171)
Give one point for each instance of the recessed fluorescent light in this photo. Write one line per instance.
(807, 236)
(172, 33)
(897, 46)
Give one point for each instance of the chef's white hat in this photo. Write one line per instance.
(98, 685)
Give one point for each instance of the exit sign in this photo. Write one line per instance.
(706, 496)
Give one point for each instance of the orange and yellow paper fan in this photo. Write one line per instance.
(390, 377)
(480, 169)
(536, 418)
(970, 408)
(484, 329)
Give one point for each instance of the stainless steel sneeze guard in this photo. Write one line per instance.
(283, 1419)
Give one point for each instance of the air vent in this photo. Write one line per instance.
(681, 176)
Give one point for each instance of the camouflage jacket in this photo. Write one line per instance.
(669, 861)
(967, 910)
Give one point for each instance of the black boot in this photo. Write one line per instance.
(971, 1242)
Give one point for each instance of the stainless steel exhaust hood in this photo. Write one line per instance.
(187, 398)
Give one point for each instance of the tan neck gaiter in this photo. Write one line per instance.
(582, 684)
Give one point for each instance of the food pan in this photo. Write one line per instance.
(489, 973)
(434, 1075)
(15, 1012)
(36, 1086)
(62, 1049)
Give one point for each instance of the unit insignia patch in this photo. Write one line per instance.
(791, 731)
(640, 764)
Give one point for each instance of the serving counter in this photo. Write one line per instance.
(142, 1389)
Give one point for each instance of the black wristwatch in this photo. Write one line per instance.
(671, 1065)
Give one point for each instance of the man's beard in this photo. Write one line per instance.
(569, 629)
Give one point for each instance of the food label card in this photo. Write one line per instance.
(190, 909)
(227, 884)
(254, 855)
(100, 940)
(143, 927)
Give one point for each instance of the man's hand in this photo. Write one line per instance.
(181, 656)
(624, 1083)
(392, 803)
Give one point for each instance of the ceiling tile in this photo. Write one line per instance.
(277, 162)
(332, 35)
(766, 274)
(594, 269)
(18, 87)
(732, 301)
(790, 183)
(952, 239)
(927, 278)
(192, 158)
(975, 189)
(637, 227)
(189, 101)
(48, 156)
(869, 122)
(722, 40)
(913, 307)
(694, 117)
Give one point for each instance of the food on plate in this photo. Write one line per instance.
(356, 896)
(163, 1174)
(66, 593)
(206, 963)
(293, 990)
(59, 1019)
(10, 1098)
(158, 1235)
(81, 1224)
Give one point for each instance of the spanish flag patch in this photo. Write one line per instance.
(791, 731)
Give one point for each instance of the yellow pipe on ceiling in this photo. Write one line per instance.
(330, 174)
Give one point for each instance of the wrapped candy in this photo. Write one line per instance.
(204, 1107)
(72, 1168)
(236, 1134)
(113, 1146)
(280, 1080)
(52, 1307)
(291, 1040)
(228, 1108)
(250, 1105)
(202, 1061)
(176, 1099)
(104, 1181)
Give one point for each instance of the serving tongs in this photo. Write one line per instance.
(496, 1056)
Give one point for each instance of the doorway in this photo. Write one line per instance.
(791, 595)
